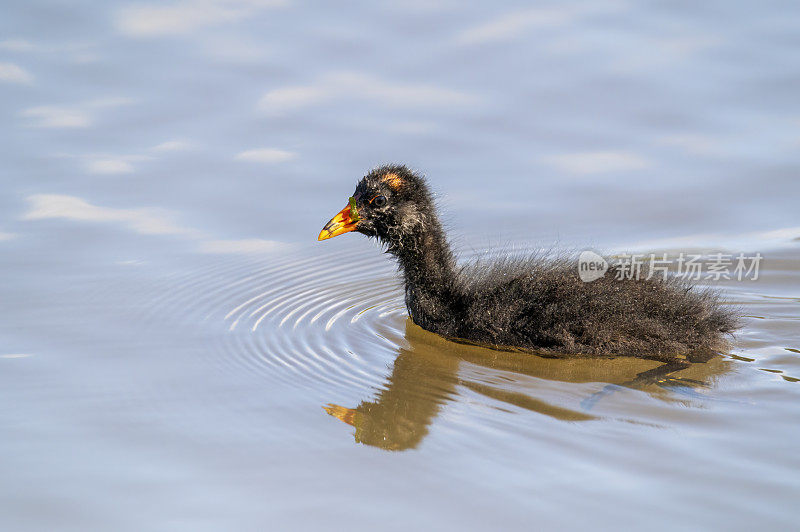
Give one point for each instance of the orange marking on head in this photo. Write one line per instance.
(393, 180)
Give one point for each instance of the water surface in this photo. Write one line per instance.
(177, 352)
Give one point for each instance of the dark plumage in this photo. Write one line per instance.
(538, 304)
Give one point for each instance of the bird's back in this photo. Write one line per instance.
(542, 304)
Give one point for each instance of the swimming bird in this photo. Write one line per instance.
(535, 304)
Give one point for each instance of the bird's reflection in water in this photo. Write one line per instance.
(427, 373)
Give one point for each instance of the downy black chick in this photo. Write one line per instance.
(535, 304)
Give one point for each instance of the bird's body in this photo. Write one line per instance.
(538, 304)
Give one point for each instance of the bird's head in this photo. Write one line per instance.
(389, 203)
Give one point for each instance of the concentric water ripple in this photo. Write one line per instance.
(308, 318)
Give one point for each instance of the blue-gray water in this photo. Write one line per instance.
(177, 352)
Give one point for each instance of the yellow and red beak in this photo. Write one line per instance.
(344, 222)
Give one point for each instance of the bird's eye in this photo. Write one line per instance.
(378, 201)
